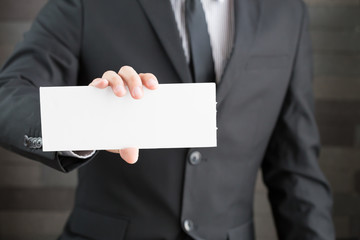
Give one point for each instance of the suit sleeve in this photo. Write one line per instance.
(299, 194)
(48, 56)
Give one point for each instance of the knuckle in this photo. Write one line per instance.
(113, 78)
(126, 69)
(149, 76)
(108, 74)
(152, 76)
(134, 79)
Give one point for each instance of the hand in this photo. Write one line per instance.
(127, 76)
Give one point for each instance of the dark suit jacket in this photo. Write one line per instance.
(265, 120)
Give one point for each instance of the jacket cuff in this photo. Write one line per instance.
(69, 163)
(77, 154)
(32, 148)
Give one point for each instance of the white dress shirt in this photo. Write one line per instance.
(219, 16)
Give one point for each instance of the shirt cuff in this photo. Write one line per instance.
(78, 154)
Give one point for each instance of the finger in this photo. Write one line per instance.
(133, 81)
(99, 83)
(116, 83)
(149, 80)
(130, 155)
(113, 151)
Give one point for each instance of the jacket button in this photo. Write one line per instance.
(195, 158)
(26, 141)
(38, 142)
(188, 225)
(32, 142)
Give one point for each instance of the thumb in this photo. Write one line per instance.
(130, 155)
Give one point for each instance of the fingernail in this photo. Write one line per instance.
(152, 82)
(120, 89)
(137, 92)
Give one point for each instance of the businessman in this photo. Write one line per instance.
(259, 54)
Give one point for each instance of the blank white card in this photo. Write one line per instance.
(87, 118)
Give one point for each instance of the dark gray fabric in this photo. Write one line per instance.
(264, 113)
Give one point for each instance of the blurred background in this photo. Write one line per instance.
(35, 200)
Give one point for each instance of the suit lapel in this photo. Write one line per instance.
(161, 17)
(246, 21)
